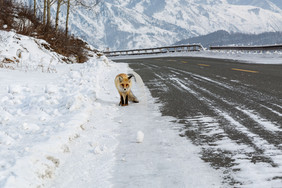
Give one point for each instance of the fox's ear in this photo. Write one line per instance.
(130, 76)
(120, 78)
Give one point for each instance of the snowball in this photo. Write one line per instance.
(140, 137)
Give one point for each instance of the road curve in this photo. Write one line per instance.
(231, 110)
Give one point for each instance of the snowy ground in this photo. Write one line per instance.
(61, 126)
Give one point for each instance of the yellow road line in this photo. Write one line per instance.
(184, 62)
(243, 70)
(205, 65)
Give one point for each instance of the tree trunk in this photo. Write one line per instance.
(57, 14)
(34, 8)
(48, 13)
(67, 19)
(44, 12)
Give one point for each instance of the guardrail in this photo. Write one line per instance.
(248, 48)
(158, 50)
(189, 48)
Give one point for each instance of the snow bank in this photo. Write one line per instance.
(42, 111)
(39, 120)
(25, 53)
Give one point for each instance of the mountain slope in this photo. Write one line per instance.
(123, 24)
(220, 38)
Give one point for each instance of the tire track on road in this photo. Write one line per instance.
(246, 131)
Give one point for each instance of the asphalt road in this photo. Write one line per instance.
(231, 110)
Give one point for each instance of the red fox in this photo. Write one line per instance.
(123, 85)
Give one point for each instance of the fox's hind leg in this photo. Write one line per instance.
(133, 98)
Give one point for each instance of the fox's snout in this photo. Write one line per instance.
(124, 87)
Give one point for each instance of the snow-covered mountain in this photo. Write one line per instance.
(223, 38)
(123, 24)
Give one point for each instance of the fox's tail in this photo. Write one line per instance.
(130, 76)
(139, 88)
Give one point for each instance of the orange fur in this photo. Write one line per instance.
(123, 85)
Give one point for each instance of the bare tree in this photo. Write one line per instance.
(34, 7)
(70, 3)
(67, 18)
(59, 3)
(44, 11)
(48, 9)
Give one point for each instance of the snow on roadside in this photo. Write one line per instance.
(42, 112)
(40, 118)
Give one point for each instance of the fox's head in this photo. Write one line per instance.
(124, 84)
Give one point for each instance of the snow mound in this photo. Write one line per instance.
(42, 114)
(26, 53)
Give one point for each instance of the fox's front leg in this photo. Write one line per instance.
(123, 100)
(126, 100)
(121, 103)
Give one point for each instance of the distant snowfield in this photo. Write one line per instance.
(61, 126)
(243, 57)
